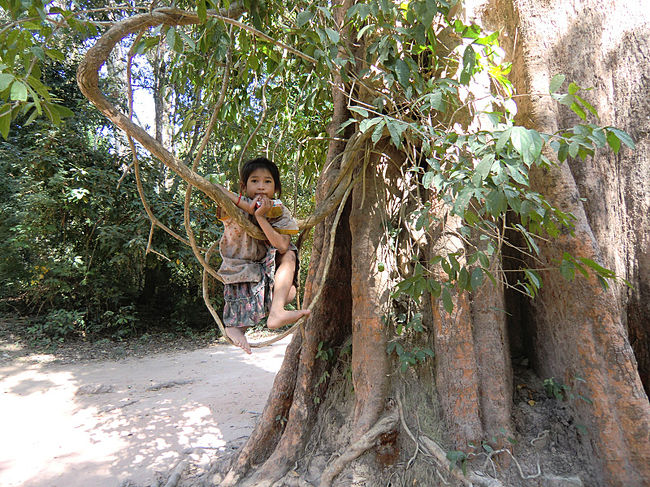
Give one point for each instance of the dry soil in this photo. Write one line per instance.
(71, 421)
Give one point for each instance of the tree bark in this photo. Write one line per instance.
(457, 378)
(579, 328)
(370, 294)
(492, 347)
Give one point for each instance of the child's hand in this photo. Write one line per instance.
(250, 208)
(261, 205)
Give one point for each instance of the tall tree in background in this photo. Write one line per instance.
(457, 218)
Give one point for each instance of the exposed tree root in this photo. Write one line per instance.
(367, 441)
(431, 448)
(471, 479)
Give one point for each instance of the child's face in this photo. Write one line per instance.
(260, 182)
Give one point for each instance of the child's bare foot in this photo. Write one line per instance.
(238, 338)
(285, 317)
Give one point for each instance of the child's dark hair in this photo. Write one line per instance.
(260, 163)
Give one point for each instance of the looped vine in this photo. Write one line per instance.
(87, 79)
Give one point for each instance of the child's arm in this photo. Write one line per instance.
(279, 241)
(243, 203)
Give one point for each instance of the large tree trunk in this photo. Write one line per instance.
(578, 329)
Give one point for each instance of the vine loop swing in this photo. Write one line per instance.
(88, 78)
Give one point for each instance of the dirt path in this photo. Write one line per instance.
(103, 423)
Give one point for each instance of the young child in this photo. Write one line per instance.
(259, 276)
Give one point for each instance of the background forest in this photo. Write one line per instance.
(77, 255)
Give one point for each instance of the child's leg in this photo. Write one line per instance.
(283, 290)
(238, 337)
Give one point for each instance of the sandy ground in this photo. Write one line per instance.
(103, 423)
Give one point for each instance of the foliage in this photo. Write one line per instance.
(475, 161)
(74, 239)
(415, 88)
(564, 392)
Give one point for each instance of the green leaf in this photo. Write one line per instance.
(521, 139)
(446, 300)
(63, 111)
(402, 72)
(462, 200)
(395, 129)
(303, 18)
(425, 11)
(623, 137)
(170, 38)
(5, 120)
(471, 218)
(39, 87)
(201, 10)
(587, 105)
(469, 61)
(516, 174)
(489, 39)
(187, 40)
(18, 91)
(577, 109)
(434, 287)
(496, 202)
(503, 139)
(38, 52)
(533, 278)
(454, 457)
(598, 268)
(5, 80)
(361, 111)
(427, 179)
(463, 279)
(603, 283)
(613, 141)
(333, 35)
(599, 137)
(435, 100)
(369, 122)
(567, 269)
(537, 144)
(483, 167)
(477, 278)
(530, 240)
(173, 40)
(563, 151)
(52, 113)
(378, 132)
(370, 28)
(37, 102)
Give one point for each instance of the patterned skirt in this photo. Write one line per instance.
(246, 303)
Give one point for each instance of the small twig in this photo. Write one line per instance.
(441, 477)
(521, 473)
(408, 432)
(540, 437)
(160, 255)
(261, 35)
(262, 119)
